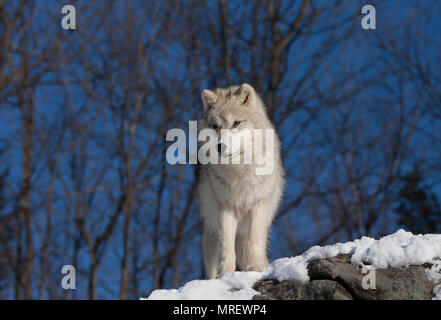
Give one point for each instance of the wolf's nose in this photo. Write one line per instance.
(221, 147)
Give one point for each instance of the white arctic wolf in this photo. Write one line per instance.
(237, 205)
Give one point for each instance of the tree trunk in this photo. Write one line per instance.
(24, 200)
(93, 280)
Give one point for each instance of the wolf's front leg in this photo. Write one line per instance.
(258, 223)
(210, 243)
(227, 235)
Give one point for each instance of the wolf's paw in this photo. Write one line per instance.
(226, 267)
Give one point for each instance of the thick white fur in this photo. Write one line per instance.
(237, 206)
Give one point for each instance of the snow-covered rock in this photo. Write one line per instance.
(401, 249)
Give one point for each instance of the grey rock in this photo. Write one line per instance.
(338, 279)
(297, 290)
(409, 283)
(285, 290)
(262, 297)
(326, 290)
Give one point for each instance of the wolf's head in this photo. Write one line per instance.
(233, 113)
(241, 101)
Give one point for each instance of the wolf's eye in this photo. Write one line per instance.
(236, 123)
(214, 126)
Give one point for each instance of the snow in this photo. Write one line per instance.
(294, 268)
(396, 250)
(232, 286)
(434, 274)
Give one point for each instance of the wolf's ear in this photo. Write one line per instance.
(209, 98)
(246, 94)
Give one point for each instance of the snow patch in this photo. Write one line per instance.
(434, 274)
(396, 250)
(232, 286)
